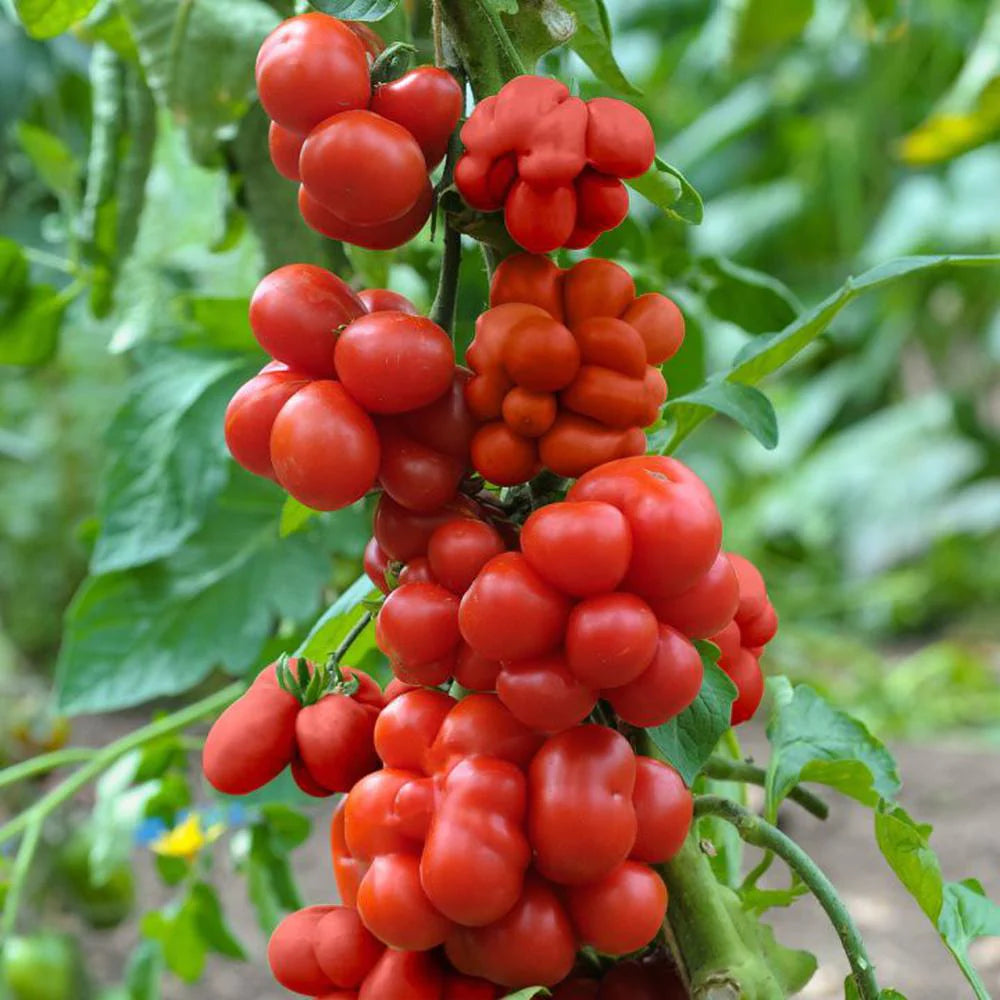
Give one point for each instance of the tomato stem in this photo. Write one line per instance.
(19, 876)
(45, 763)
(733, 770)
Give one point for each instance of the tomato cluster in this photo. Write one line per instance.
(655, 977)
(328, 743)
(552, 162)
(361, 154)
(362, 391)
(566, 368)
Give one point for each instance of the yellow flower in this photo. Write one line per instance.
(187, 839)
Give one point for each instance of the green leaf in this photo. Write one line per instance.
(48, 18)
(767, 24)
(688, 740)
(295, 516)
(504, 6)
(30, 335)
(169, 459)
(670, 191)
(356, 10)
(966, 916)
(753, 300)
(765, 355)
(745, 404)
(528, 993)
(13, 277)
(334, 624)
(813, 741)
(592, 43)
(143, 972)
(270, 880)
(183, 947)
(53, 162)
(159, 629)
(792, 968)
(212, 924)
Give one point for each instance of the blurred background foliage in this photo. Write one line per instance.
(824, 138)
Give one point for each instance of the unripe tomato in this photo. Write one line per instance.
(500, 456)
(44, 966)
(385, 300)
(291, 952)
(295, 314)
(544, 694)
(335, 741)
(408, 725)
(345, 950)
(540, 219)
(364, 168)
(309, 68)
(458, 550)
(427, 102)
(664, 808)
(105, 899)
(415, 476)
(250, 417)
(665, 688)
(581, 821)
(506, 591)
(324, 447)
(391, 362)
(620, 139)
(418, 624)
(285, 147)
(610, 639)
(705, 608)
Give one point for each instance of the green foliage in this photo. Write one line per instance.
(356, 10)
(592, 43)
(48, 18)
(667, 188)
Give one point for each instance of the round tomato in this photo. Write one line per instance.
(705, 608)
(405, 534)
(544, 694)
(660, 324)
(664, 808)
(610, 639)
(345, 950)
(418, 624)
(458, 550)
(44, 966)
(620, 139)
(540, 219)
(415, 476)
(446, 425)
(385, 300)
(500, 456)
(335, 741)
(285, 147)
(292, 955)
(408, 725)
(475, 672)
(746, 674)
(415, 975)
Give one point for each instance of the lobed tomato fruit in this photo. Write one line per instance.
(664, 809)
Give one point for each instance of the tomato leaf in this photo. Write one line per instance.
(753, 300)
(764, 25)
(592, 43)
(745, 404)
(670, 191)
(55, 165)
(813, 741)
(294, 516)
(334, 624)
(356, 10)
(48, 18)
(143, 972)
(688, 740)
(29, 335)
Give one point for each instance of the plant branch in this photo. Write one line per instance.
(443, 309)
(19, 876)
(760, 833)
(44, 763)
(733, 770)
(352, 636)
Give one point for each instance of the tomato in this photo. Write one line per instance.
(533, 945)
(705, 608)
(253, 740)
(660, 324)
(596, 287)
(335, 741)
(345, 950)
(465, 988)
(676, 528)
(620, 140)
(540, 219)
(395, 907)
(370, 39)
(760, 630)
(418, 625)
(575, 444)
(324, 447)
(347, 871)
(501, 457)
(728, 641)
(404, 534)
(103, 898)
(509, 591)
(609, 397)
(417, 571)
(364, 168)
(250, 417)
(630, 981)
(622, 911)
(752, 589)
(295, 313)
(475, 672)
(611, 343)
(529, 413)
(746, 674)
(458, 550)
(610, 639)
(544, 694)
(665, 688)
(385, 236)
(427, 102)
(376, 564)
(407, 727)
(446, 425)
(284, 147)
(541, 354)
(385, 300)
(529, 278)
(391, 362)
(664, 808)
(415, 476)
(291, 952)
(306, 782)
(602, 203)
(476, 854)
(44, 966)
(581, 821)
(413, 975)
(372, 825)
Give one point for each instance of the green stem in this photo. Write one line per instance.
(19, 876)
(759, 833)
(352, 636)
(489, 56)
(105, 757)
(732, 770)
(45, 763)
(443, 309)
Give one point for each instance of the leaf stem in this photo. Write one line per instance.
(759, 833)
(19, 876)
(44, 763)
(733, 770)
(352, 636)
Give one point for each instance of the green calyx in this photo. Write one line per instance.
(310, 682)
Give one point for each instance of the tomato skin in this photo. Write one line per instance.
(415, 476)
(621, 912)
(508, 590)
(594, 288)
(540, 354)
(708, 606)
(446, 425)
(345, 950)
(611, 343)
(427, 102)
(347, 871)
(529, 278)
(502, 457)
(533, 945)
(250, 417)
(581, 821)
(285, 147)
(602, 202)
(391, 362)
(540, 219)
(458, 550)
(676, 528)
(759, 631)
(746, 674)
(408, 725)
(309, 68)
(665, 688)
(324, 447)
(476, 854)
(295, 313)
(753, 590)
(573, 445)
(291, 952)
(253, 740)
(664, 809)
(529, 413)
(418, 624)
(334, 738)
(610, 639)
(544, 694)
(385, 300)
(415, 975)
(372, 825)
(660, 324)
(465, 988)
(475, 672)
(620, 140)
(376, 564)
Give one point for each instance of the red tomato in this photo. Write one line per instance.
(306, 782)
(581, 821)
(611, 343)
(543, 693)
(417, 571)
(415, 975)
(324, 447)
(529, 278)
(596, 287)
(347, 871)
(728, 641)
(309, 68)
(602, 201)
(446, 425)
(665, 688)
(296, 312)
(415, 476)
(510, 612)
(705, 608)
(291, 952)
(364, 168)
(464, 988)
(475, 672)
(335, 741)
(407, 727)
(660, 324)
(372, 825)
(676, 528)
(664, 808)
(344, 949)
(540, 219)
(253, 740)
(501, 457)
(746, 674)
(427, 102)
(391, 362)
(610, 639)
(759, 631)
(404, 534)
(458, 550)
(541, 354)
(250, 417)
(753, 590)
(575, 444)
(370, 39)
(418, 624)
(376, 564)
(385, 300)
(620, 139)
(529, 413)
(284, 147)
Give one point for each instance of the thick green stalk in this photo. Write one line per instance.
(482, 43)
